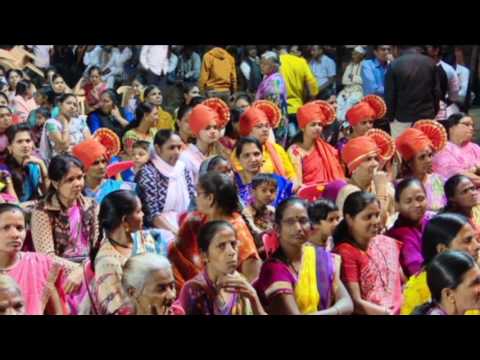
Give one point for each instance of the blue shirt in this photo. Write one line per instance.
(373, 77)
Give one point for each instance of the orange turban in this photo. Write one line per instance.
(200, 117)
(372, 107)
(316, 110)
(357, 149)
(251, 117)
(411, 142)
(89, 151)
(360, 112)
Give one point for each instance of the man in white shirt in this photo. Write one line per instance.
(324, 69)
(154, 60)
(463, 74)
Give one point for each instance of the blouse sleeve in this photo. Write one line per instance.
(108, 278)
(350, 271)
(43, 239)
(275, 279)
(247, 247)
(295, 156)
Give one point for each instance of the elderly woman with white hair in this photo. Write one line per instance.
(352, 92)
(11, 298)
(273, 88)
(149, 283)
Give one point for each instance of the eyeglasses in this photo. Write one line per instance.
(302, 221)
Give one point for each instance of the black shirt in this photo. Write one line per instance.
(412, 88)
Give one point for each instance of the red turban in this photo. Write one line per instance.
(200, 117)
(360, 112)
(411, 142)
(251, 117)
(357, 149)
(316, 110)
(89, 151)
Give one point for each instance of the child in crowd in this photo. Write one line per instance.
(260, 213)
(41, 116)
(140, 156)
(324, 216)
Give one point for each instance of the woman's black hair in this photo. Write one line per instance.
(112, 96)
(245, 141)
(241, 95)
(450, 188)
(453, 120)
(140, 112)
(162, 136)
(5, 207)
(149, 89)
(43, 111)
(354, 204)
(234, 119)
(59, 167)
(13, 130)
(92, 69)
(445, 271)
(183, 110)
(260, 179)
(319, 210)
(114, 207)
(56, 76)
(139, 78)
(214, 161)
(209, 230)
(196, 100)
(22, 87)
(406, 183)
(19, 72)
(441, 229)
(223, 190)
(5, 96)
(47, 92)
(63, 97)
(285, 204)
(187, 87)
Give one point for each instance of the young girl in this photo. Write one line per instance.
(41, 116)
(325, 217)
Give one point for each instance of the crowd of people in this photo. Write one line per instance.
(249, 180)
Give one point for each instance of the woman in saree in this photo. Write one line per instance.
(39, 276)
(370, 262)
(219, 289)
(217, 200)
(121, 236)
(315, 161)
(149, 283)
(462, 198)
(362, 156)
(461, 155)
(205, 120)
(417, 146)
(92, 88)
(453, 278)
(362, 116)
(142, 128)
(446, 231)
(64, 224)
(257, 121)
(411, 202)
(153, 95)
(249, 152)
(300, 278)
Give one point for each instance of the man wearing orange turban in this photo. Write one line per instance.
(315, 161)
(255, 122)
(93, 155)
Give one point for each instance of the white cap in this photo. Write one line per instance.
(359, 50)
